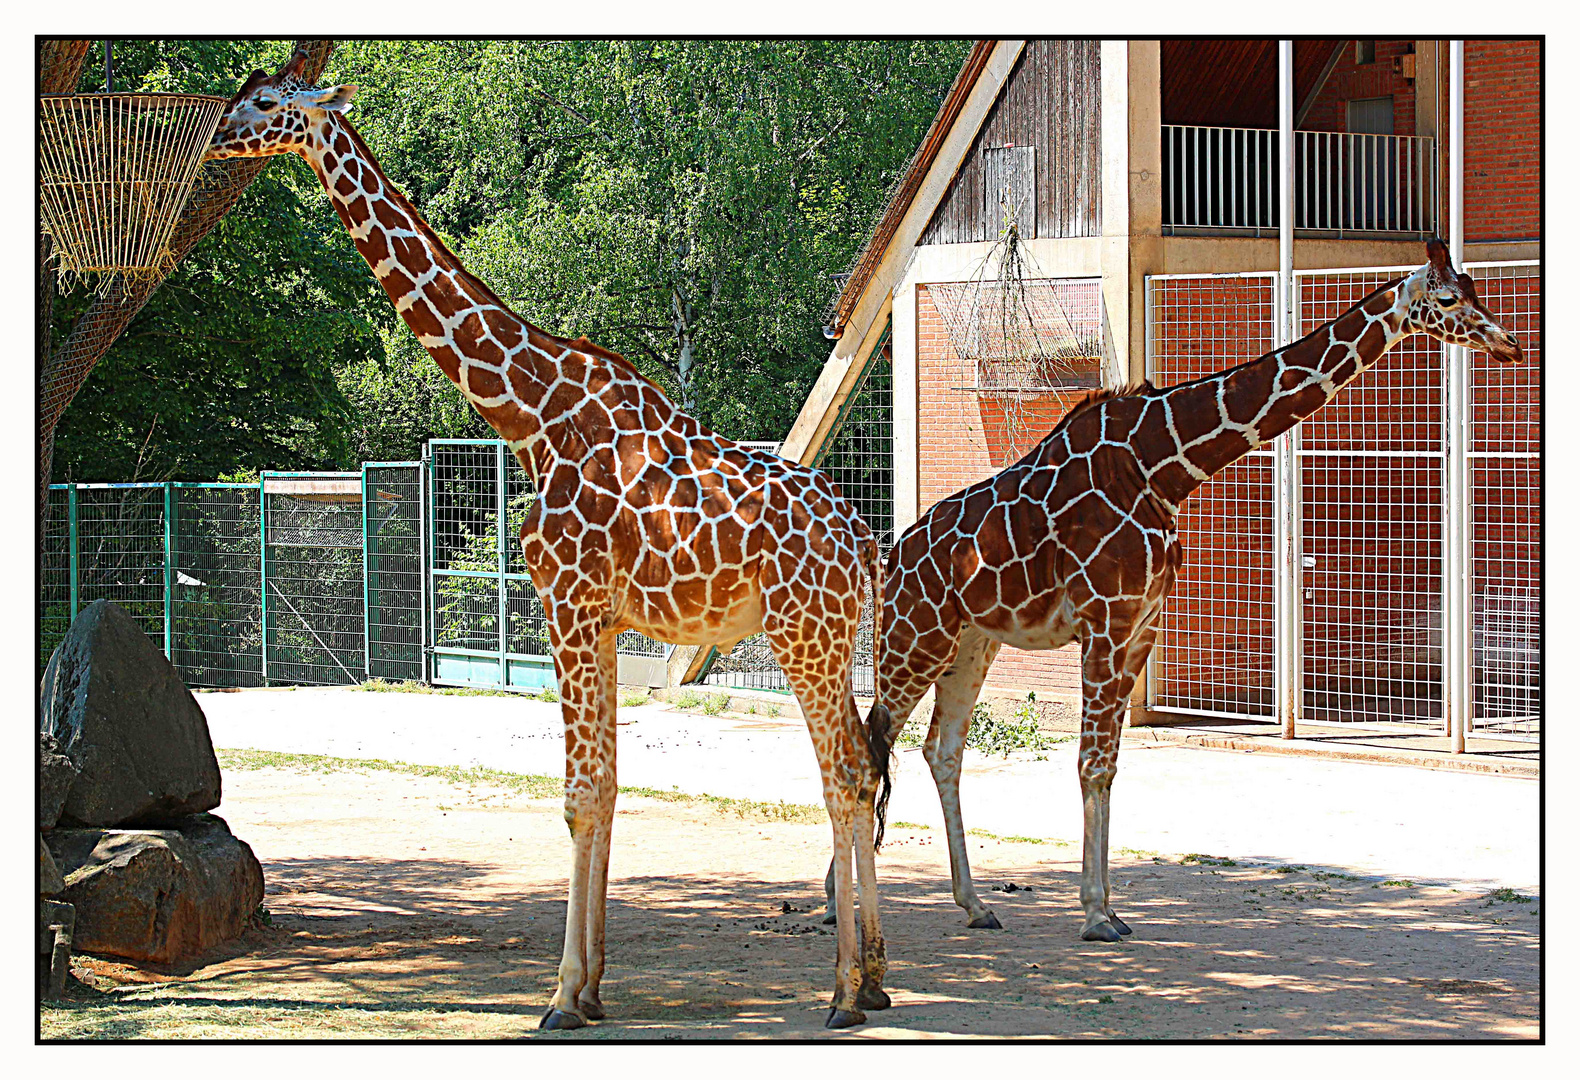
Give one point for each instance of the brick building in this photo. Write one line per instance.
(1132, 167)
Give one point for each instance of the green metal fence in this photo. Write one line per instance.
(487, 622)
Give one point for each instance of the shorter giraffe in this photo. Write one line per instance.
(1077, 540)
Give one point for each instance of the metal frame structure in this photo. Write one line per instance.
(1370, 509)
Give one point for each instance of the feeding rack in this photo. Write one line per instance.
(115, 171)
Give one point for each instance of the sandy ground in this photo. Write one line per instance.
(1460, 829)
(407, 906)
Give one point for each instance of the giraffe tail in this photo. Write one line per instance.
(880, 740)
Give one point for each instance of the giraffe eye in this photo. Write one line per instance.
(265, 103)
(1446, 301)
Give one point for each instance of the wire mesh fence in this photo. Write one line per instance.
(313, 586)
(1214, 652)
(1372, 504)
(216, 599)
(859, 457)
(488, 623)
(392, 569)
(1505, 455)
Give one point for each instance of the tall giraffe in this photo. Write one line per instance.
(1077, 540)
(644, 520)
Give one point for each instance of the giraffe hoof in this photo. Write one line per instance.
(844, 1018)
(1117, 923)
(1101, 932)
(830, 919)
(872, 997)
(985, 921)
(561, 1020)
(592, 1010)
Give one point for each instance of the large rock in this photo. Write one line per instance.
(163, 896)
(56, 775)
(49, 880)
(120, 712)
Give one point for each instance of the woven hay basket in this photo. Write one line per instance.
(114, 173)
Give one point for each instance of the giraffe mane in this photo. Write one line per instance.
(1100, 395)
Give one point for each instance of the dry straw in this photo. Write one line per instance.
(115, 171)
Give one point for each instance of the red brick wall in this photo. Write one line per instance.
(963, 437)
(1503, 163)
(1350, 80)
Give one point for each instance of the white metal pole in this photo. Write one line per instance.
(1458, 617)
(1286, 461)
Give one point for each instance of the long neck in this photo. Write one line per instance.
(1191, 431)
(503, 364)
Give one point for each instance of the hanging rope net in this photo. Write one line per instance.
(115, 171)
(1024, 346)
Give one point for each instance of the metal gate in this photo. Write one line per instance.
(1371, 500)
(392, 570)
(487, 627)
(313, 603)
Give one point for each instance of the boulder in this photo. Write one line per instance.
(120, 713)
(162, 896)
(56, 774)
(49, 880)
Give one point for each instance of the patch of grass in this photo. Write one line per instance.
(1507, 896)
(1322, 875)
(631, 696)
(772, 711)
(1054, 840)
(1208, 860)
(1398, 883)
(385, 686)
(993, 735)
(526, 784)
(1288, 869)
(714, 704)
(533, 787)
(686, 699)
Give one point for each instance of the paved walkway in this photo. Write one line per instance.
(1462, 829)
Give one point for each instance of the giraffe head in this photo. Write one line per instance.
(1443, 304)
(275, 114)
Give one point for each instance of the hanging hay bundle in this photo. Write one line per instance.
(114, 173)
(1026, 345)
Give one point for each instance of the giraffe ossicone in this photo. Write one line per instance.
(1077, 541)
(644, 520)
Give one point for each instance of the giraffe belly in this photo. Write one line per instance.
(741, 619)
(1047, 627)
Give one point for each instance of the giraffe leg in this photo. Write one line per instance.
(820, 678)
(588, 999)
(1135, 661)
(945, 748)
(901, 704)
(1106, 680)
(874, 959)
(589, 769)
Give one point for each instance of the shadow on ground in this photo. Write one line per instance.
(439, 947)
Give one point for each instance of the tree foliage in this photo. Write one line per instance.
(682, 202)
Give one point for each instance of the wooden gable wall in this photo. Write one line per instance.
(1052, 102)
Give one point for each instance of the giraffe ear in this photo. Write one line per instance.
(330, 98)
(1437, 254)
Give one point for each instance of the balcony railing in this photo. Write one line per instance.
(1217, 178)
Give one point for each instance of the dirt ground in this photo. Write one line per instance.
(412, 906)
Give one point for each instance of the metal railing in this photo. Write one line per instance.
(1222, 178)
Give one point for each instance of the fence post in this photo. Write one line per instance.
(170, 529)
(263, 581)
(1287, 599)
(1458, 601)
(425, 577)
(367, 588)
(71, 542)
(504, 633)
